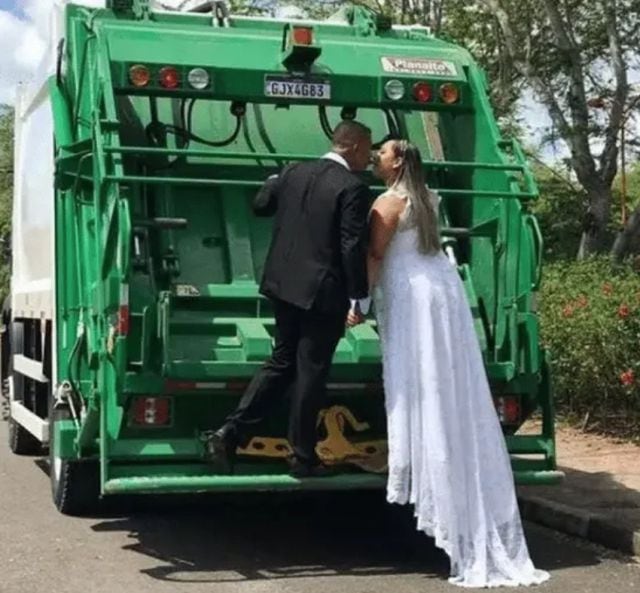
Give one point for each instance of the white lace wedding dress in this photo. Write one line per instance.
(447, 454)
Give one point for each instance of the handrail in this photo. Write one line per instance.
(135, 179)
(517, 152)
(124, 237)
(532, 221)
(289, 157)
(85, 53)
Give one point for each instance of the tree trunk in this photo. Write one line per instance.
(624, 240)
(595, 236)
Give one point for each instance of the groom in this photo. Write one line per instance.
(314, 274)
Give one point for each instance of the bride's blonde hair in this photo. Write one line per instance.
(421, 210)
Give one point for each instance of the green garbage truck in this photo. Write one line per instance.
(135, 322)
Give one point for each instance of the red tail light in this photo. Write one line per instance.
(123, 320)
(169, 77)
(302, 35)
(151, 411)
(122, 325)
(422, 92)
(172, 386)
(508, 408)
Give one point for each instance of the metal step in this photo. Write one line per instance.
(227, 483)
(538, 478)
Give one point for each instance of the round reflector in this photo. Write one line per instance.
(394, 89)
(198, 79)
(422, 92)
(449, 93)
(139, 75)
(302, 36)
(511, 410)
(169, 77)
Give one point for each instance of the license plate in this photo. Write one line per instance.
(296, 88)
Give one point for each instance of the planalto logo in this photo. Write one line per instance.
(418, 66)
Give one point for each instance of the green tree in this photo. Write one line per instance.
(575, 56)
(6, 194)
(559, 210)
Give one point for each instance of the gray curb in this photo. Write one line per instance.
(590, 526)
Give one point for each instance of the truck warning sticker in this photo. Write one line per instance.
(421, 66)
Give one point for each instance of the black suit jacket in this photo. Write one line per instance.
(317, 257)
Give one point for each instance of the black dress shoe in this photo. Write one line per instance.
(220, 448)
(299, 469)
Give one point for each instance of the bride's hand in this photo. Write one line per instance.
(354, 319)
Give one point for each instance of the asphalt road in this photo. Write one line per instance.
(248, 544)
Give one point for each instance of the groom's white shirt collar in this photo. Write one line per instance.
(338, 158)
(364, 303)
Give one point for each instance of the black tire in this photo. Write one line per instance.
(5, 342)
(75, 485)
(21, 441)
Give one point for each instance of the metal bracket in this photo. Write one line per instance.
(119, 6)
(63, 397)
(367, 21)
(170, 264)
(220, 13)
(140, 9)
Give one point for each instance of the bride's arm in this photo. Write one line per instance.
(383, 223)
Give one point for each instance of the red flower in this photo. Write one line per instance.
(582, 302)
(607, 288)
(628, 378)
(623, 311)
(568, 311)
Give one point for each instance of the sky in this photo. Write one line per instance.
(11, 5)
(22, 28)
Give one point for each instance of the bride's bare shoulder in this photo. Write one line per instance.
(389, 203)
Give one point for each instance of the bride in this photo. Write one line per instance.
(447, 455)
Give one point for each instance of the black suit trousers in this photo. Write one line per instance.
(305, 342)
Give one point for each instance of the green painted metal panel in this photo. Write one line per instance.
(139, 449)
(65, 434)
(527, 444)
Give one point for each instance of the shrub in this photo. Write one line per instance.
(590, 316)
